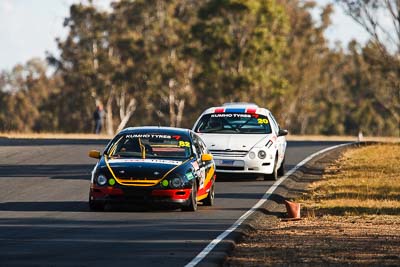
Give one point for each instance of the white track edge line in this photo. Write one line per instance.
(265, 197)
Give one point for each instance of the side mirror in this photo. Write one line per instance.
(282, 132)
(206, 157)
(94, 154)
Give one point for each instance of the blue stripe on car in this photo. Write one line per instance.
(235, 110)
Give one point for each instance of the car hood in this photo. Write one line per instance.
(138, 169)
(233, 141)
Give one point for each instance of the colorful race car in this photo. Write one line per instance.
(162, 166)
(243, 138)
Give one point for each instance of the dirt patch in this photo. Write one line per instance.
(369, 240)
(362, 241)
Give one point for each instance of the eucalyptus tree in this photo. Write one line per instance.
(240, 44)
(152, 39)
(24, 94)
(91, 66)
(381, 19)
(79, 66)
(308, 66)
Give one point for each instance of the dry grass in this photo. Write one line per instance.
(342, 138)
(54, 136)
(364, 186)
(364, 181)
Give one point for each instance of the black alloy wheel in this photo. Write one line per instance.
(192, 200)
(281, 170)
(274, 175)
(209, 200)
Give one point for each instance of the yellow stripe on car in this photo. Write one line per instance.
(139, 182)
(209, 175)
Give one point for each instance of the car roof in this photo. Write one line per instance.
(237, 107)
(240, 104)
(156, 129)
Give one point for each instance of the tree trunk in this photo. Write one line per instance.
(181, 107)
(172, 114)
(109, 117)
(130, 109)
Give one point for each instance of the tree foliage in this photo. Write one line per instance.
(240, 48)
(151, 62)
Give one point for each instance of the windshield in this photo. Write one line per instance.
(151, 146)
(239, 123)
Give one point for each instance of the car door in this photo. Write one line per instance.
(206, 168)
(280, 140)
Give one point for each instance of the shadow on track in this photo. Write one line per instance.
(68, 206)
(67, 172)
(313, 143)
(239, 195)
(50, 142)
(238, 177)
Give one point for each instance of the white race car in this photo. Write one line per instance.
(243, 138)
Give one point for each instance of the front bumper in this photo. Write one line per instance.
(140, 195)
(244, 165)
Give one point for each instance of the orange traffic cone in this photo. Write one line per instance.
(293, 209)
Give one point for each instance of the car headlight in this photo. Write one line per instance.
(101, 180)
(176, 182)
(262, 154)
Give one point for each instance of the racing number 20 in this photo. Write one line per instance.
(262, 121)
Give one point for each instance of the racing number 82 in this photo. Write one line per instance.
(184, 144)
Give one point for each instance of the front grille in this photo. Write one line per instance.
(136, 194)
(138, 182)
(229, 153)
(230, 168)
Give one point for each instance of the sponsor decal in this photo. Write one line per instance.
(230, 115)
(202, 175)
(195, 165)
(159, 136)
(189, 175)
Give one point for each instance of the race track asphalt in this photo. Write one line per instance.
(45, 220)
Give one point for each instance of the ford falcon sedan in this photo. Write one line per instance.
(243, 138)
(153, 165)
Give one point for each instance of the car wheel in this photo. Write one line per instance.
(281, 170)
(209, 200)
(274, 174)
(95, 206)
(192, 200)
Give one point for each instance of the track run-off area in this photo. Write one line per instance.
(45, 219)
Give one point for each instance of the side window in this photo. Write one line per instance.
(203, 147)
(196, 145)
(274, 124)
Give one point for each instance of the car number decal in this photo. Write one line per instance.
(262, 121)
(202, 177)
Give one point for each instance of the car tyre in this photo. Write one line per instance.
(209, 200)
(192, 200)
(274, 174)
(281, 170)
